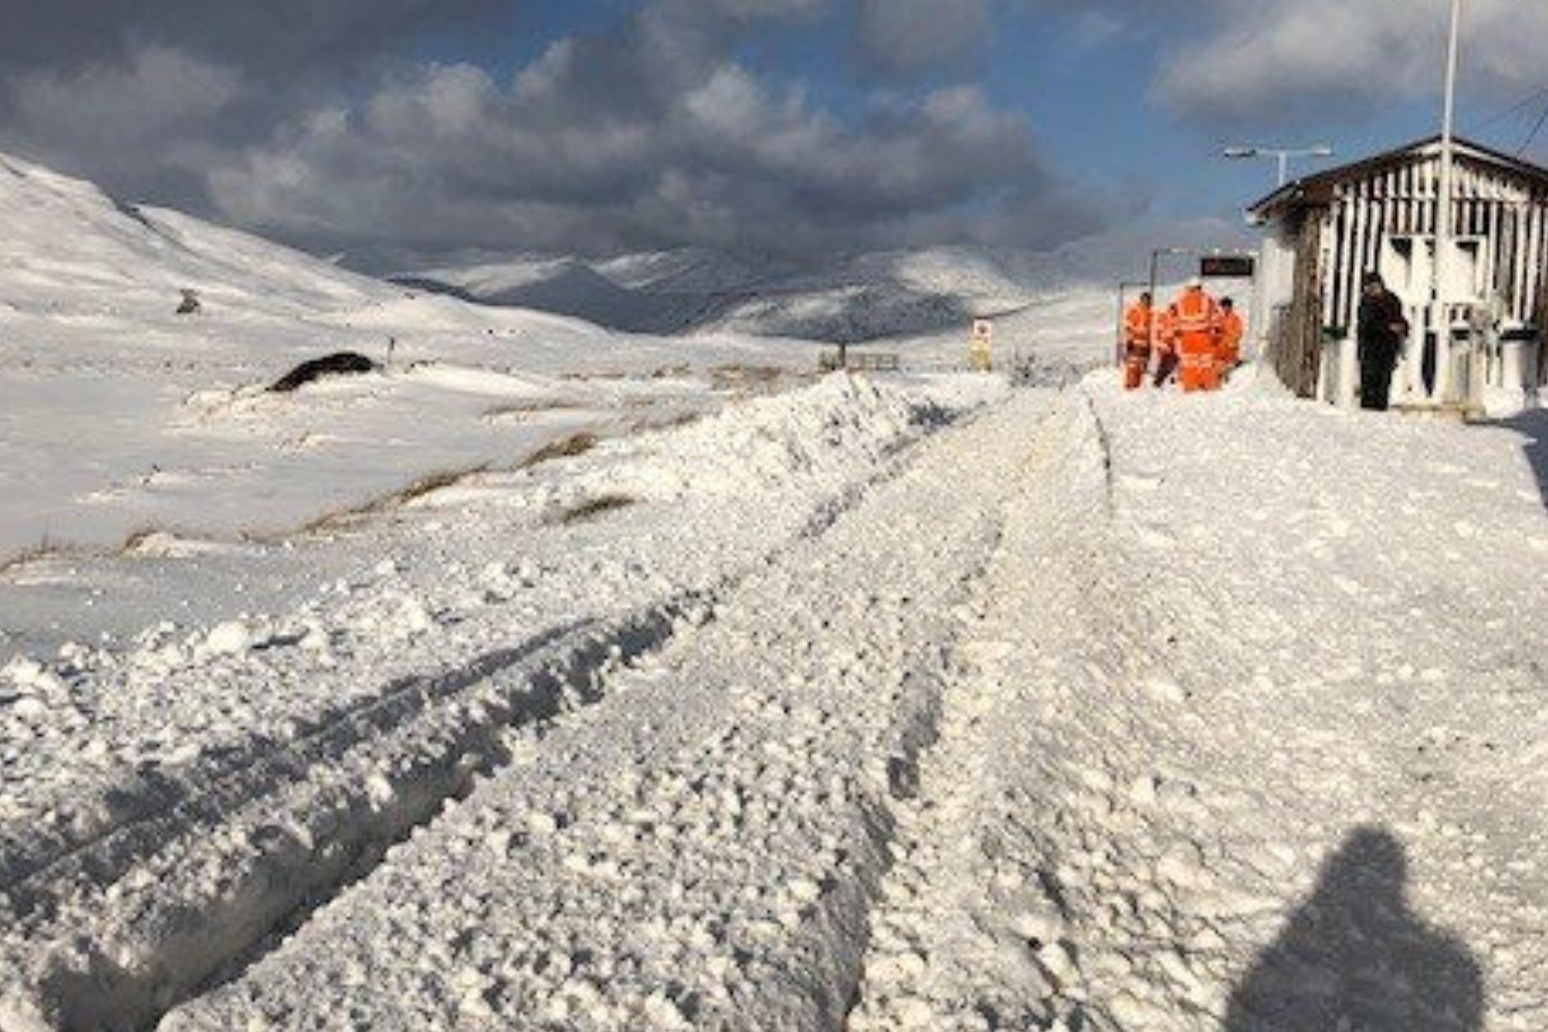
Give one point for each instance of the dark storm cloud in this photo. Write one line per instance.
(453, 158)
(272, 34)
(307, 120)
(141, 95)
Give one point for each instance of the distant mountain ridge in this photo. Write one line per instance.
(698, 291)
(845, 298)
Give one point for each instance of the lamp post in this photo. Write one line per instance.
(1284, 154)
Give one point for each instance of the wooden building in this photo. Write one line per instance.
(1324, 232)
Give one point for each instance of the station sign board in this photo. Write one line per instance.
(1227, 266)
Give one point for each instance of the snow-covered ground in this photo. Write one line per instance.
(1056, 339)
(693, 692)
(232, 772)
(872, 707)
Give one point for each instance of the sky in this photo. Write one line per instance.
(404, 130)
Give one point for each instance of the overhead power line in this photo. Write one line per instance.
(1521, 105)
(1537, 127)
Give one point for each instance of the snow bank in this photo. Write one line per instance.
(1247, 715)
(842, 422)
(163, 809)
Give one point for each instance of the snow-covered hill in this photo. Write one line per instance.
(121, 419)
(69, 248)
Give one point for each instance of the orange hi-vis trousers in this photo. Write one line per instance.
(1136, 360)
(1198, 370)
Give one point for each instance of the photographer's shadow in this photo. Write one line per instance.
(1355, 958)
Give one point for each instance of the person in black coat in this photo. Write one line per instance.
(1380, 332)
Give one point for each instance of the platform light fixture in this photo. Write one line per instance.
(1283, 154)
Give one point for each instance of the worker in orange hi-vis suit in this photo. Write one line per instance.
(1165, 345)
(1232, 330)
(1198, 337)
(1136, 342)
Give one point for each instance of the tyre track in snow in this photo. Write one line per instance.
(702, 849)
(45, 817)
(194, 884)
(973, 932)
(1056, 876)
(197, 886)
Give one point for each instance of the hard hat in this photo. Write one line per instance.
(1195, 281)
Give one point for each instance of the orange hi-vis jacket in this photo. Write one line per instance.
(1197, 324)
(1231, 332)
(1136, 344)
(1166, 329)
(1198, 335)
(1136, 325)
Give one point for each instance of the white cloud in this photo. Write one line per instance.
(446, 101)
(906, 36)
(155, 90)
(1322, 60)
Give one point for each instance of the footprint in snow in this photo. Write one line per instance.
(1166, 690)
(1142, 482)
(1151, 536)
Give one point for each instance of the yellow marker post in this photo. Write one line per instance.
(981, 352)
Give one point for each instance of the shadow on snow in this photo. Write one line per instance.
(1532, 425)
(1355, 958)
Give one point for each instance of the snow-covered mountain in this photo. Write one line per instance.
(697, 291)
(846, 298)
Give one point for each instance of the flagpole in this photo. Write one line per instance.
(1445, 210)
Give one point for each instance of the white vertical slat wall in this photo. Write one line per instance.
(1507, 215)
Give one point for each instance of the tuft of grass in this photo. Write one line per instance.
(524, 410)
(737, 375)
(564, 448)
(427, 484)
(591, 508)
(432, 482)
(43, 550)
(137, 538)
